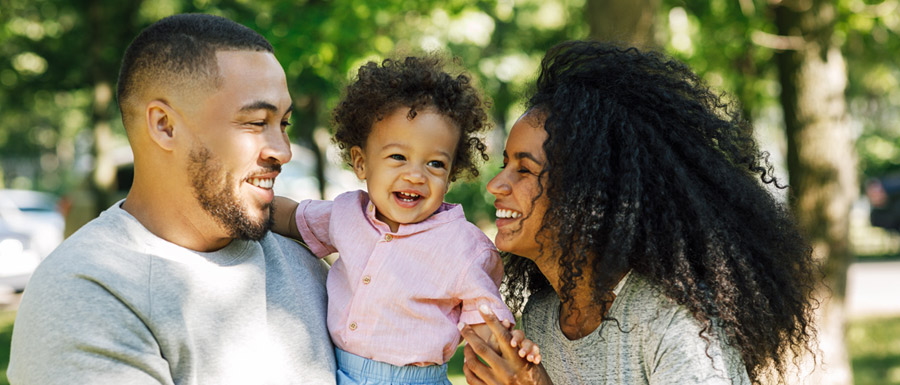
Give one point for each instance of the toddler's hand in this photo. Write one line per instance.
(527, 348)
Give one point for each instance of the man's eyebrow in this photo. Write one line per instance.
(263, 105)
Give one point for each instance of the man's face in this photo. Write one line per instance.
(239, 143)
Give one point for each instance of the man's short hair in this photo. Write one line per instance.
(180, 52)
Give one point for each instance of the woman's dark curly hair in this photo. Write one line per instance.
(647, 169)
(417, 83)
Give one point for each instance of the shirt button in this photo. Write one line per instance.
(366, 280)
(353, 326)
(388, 237)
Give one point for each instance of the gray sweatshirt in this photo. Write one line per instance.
(115, 304)
(655, 342)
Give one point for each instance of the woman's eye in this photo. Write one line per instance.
(436, 164)
(285, 124)
(397, 157)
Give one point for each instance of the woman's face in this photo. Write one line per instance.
(516, 186)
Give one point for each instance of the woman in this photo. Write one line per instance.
(634, 202)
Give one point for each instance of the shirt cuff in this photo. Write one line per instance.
(473, 317)
(317, 248)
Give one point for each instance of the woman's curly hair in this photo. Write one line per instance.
(417, 83)
(647, 169)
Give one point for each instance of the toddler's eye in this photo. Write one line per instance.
(397, 157)
(436, 164)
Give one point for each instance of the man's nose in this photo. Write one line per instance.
(277, 147)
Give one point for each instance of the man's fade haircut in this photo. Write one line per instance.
(180, 51)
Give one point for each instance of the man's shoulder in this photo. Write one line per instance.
(98, 245)
(276, 243)
(280, 249)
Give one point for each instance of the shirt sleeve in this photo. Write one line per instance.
(313, 220)
(72, 330)
(479, 285)
(680, 355)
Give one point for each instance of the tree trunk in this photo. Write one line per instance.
(626, 21)
(306, 118)
(100, 18)
(822, 164)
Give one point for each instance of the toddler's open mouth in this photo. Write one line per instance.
(407, 197)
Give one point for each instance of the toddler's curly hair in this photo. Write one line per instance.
(419, 83)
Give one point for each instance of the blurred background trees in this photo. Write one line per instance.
(818, 78)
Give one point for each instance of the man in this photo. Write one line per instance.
(182, 283)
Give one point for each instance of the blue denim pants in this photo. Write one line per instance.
(353, 370)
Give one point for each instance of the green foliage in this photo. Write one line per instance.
(477, 202)
(871, 34)
(59, 51)
(730, 43)
(56, 53)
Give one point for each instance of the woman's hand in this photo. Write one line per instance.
(516, 362)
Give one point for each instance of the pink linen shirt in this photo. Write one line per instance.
(397, 297)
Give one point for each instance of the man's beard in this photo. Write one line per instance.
(212, 191)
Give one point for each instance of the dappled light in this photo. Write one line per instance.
(824, 103)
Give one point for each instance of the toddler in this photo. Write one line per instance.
(410, 267)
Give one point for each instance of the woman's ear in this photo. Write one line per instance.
(358, 162)
(161, 122)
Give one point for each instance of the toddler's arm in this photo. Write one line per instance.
(285, 218)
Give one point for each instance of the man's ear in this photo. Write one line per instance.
(358, 161)
(161, 122)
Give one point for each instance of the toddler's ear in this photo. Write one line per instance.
(358, 161)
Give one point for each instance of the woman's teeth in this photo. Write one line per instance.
(504, 213)
(263, 182)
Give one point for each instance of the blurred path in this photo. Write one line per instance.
(873, 289)
(9, 300)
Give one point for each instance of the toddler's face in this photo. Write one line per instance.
(406, 164)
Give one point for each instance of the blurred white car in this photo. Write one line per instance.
(298, 181)
(30, 228)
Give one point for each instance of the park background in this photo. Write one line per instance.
(819, 79)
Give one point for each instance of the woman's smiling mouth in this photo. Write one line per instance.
(507, 214)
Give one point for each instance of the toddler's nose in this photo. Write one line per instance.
(414, 175)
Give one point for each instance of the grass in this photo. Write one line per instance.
(874, 348)
(873, 344)
(6, 326)
(455, 368)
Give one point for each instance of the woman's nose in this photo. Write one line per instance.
(498, 185)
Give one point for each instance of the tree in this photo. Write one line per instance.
(630, 22)
(821, 160)
(59, 91)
